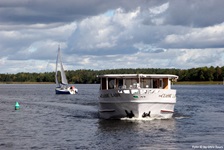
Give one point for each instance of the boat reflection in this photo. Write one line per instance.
(137, 134)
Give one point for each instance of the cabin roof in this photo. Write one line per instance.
(169, 76)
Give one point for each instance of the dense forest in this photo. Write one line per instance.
(90, 76)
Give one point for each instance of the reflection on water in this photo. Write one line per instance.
(140, 134)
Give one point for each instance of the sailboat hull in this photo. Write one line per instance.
(62, 91)
(65, 91)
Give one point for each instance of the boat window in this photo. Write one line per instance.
(103, 84)
(165, 83)
(128, 83)
(146, 83)
(120, 83)
(131, 83)
(161, 83)
(134, 82)
(142, 83)
(155, 83)
(158, 83)
(111, 83)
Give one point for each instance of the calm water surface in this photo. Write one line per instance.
(49, 121)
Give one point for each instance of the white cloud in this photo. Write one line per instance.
(212, 36)
(159, 9)
(102, 32)
(148, 48)
(187, 58)
(125, 19)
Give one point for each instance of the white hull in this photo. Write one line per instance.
(66, 90)
(139, 103)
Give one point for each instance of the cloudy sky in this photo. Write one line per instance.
(100, 34)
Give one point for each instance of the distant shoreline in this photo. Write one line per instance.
(199, 83)
(27, 83)
(175, 83)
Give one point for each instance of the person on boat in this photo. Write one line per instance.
(74, 89)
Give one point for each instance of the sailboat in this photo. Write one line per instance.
(63, 87)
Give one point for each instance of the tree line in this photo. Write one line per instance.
(90, 76)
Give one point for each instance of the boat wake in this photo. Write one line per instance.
(141, 119)
(178, 116)
(182, 117)
(154, 118)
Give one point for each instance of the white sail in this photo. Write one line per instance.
(63, 77)
(56, 70)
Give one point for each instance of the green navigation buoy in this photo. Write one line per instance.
(17, 106)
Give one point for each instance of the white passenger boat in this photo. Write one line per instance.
(136, 95)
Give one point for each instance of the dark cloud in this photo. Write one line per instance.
(195, 13)
(118, 50)
(42, 11)
(180, 12)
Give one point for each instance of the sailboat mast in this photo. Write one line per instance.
(56, 70)
(63, 77)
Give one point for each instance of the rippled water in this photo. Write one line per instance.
(49, 121)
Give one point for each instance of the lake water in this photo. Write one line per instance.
(48, 121)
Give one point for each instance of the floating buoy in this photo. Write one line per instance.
(17, 106)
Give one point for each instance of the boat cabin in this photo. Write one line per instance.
(136, 81)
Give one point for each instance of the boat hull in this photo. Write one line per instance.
(138, 103)
(65, 91)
